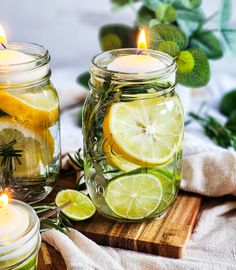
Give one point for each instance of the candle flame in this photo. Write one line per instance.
(4, 199)
(142, 40)
(3, 38)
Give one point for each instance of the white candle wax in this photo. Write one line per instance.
(136, 64)
(11, 57)
(14, 220)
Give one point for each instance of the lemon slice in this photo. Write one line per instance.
(37, 146)
(134, 196)
(118, 161)
(81, 206)
(145, 132)
(39, 109)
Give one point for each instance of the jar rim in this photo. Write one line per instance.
(29, 48)
(33, 223)
(169, 61)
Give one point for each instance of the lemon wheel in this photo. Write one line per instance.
(145, 132)
(37, 146)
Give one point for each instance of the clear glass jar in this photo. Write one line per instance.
(21, 252)
(133, 131)
(29, 119)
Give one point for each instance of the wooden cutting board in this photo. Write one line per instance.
(166, 237)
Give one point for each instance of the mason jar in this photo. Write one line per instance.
(133, 131)
(21, 251)
(29, 125)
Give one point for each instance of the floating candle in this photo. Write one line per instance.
(14, 220)
(136, 63)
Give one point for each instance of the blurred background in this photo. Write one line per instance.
(69, 29)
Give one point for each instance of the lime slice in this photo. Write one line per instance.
(37, 146)
(168, 187)
(145, 132)
(81, 206)
(134, 196)
(38, 109)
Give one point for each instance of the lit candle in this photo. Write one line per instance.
(136, 63)
(10, 57)
(14, 220)
(19, 235)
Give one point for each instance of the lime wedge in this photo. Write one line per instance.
(81, 206)
(134, 196)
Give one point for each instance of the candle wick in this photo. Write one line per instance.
(54, 211)
(3, 46)
(140, 52)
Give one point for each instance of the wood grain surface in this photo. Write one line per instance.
(167, 236)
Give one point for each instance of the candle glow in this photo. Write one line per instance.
(3, 38)
(4, 200)
(142, 40)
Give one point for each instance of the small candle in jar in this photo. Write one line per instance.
(136, 63)
(14, 220)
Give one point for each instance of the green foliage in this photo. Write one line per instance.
(191, 4)
(231, 123)
(166, 32)
(144, 16)
(228, 103)
(114, 36)
(200, 74)
(185, 62)
(83, 79)
(208, 43)
(169, 47)
(151, 4)
(229, 36)
(165, 13)
(225, 13)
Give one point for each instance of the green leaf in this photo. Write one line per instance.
(83, 79)
(228, 102)
(166, 32)
(200, 74)
(153, 22)
(225, 13)
(122, 3)
(144, 16)
(165, 13)
(231, 123)
(188, 27)
(208, 43)
(229, 36)
(190, 15)
(151, 4)
(115, 36)
(169, 47)
(191, 4)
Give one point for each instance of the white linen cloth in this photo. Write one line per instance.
(208, 170)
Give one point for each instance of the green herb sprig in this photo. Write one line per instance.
(59, 221)
(215, 130)
(9, 157)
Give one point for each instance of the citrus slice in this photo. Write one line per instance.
(134, 196)
(145, 132)
(37, 146)
(39, 109)
(81, 206)
(117, 161)
(168, 187)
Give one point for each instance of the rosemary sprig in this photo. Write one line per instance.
(58, 221)
(9, 156)
(215, 130)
